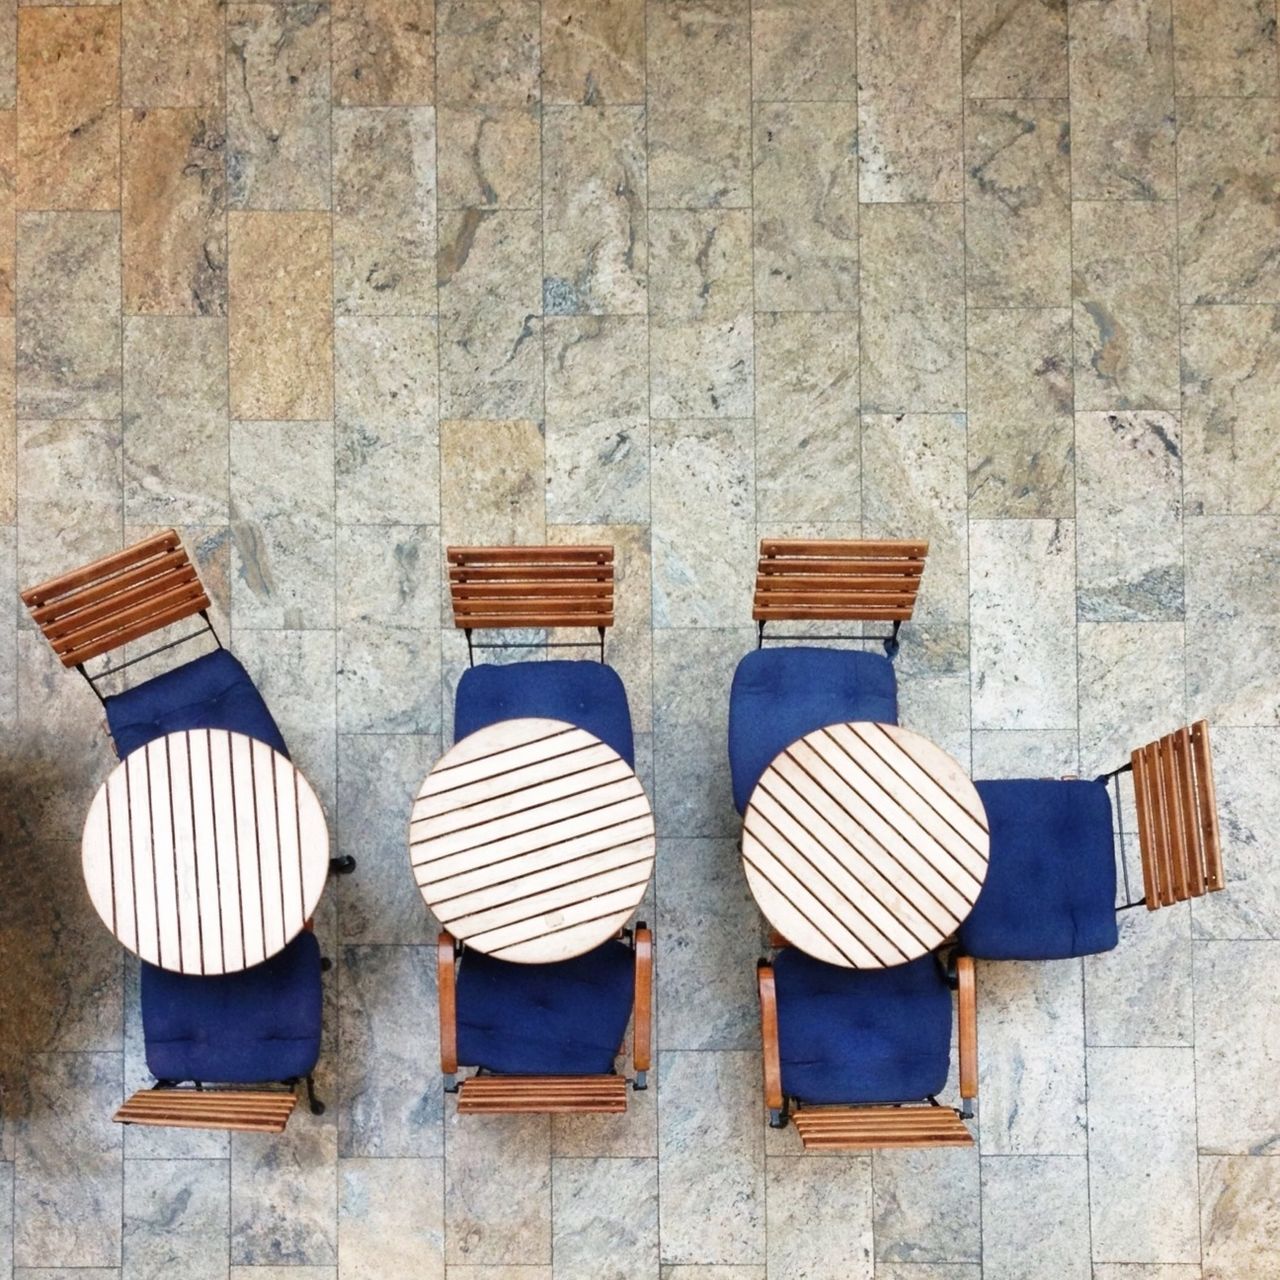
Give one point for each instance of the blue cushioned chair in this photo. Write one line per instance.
(544, 1037)
(846, 1049)
(538, 587)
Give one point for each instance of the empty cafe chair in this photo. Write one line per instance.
(781, 693)
(1050, 890)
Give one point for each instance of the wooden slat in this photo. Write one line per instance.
(105, 567)
(595, 554)
(1207, 806)
(487, 1095)
(967, 1026)
(118, 593)
(531, 586)
(870, 1128)
(243, 1111)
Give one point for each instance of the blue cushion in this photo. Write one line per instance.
(1050, 890)
(587, 694)
(254, 1027)
(862, 1035)
(545, 1019)
(210, 692)
(780, 694)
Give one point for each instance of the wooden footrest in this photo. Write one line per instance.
(865, 1128)
(490, 1095)
(256, 1112)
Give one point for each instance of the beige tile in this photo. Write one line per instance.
(605, 1213)
(281, 319)
(492, 491)
(68, 125)
(8, 52)
(283, 1273)
(592, 52)
(390, 1219)
(1035, 1217)
(805, 198)
(498, 1273)
(1122, 82)
(487, 52)
(819, 1219)
(713, 1272)
(383, 53)
(1015, 48)
(172, 53)
(803, 51)
(490, 157)
(926, 1205)
(1226, 49)
(910, 137)
(175, 1218)
(8, 199)
(1238, 1217)
(8, 423)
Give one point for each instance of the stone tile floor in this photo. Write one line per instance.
(1000, 273)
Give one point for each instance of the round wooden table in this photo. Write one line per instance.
(865, 844)
(205, 852)
(532, 840)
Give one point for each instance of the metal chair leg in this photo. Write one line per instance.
(317, 1107)
(343, 866)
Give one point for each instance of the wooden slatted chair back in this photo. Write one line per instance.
(1177, 817)
(872, 1128)
(242, 1110)
(509, 1095)
(531, 586)
(838, 581)
(119, 598)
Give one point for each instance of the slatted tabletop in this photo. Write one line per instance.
(532, 840)
(865, 844)
(205, 852)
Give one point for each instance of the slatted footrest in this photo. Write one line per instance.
(490, 1095)
(865, 1128)
(253, 1112)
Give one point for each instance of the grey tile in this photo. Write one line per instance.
(926, 1205)
(935, 692)
(390, 1219)
(176, 1218)
(819, 1219)
(634, 1133)
(1025, 753)
(283, 1273)
(605, 1218)
(1237, 1216)
(928, 1271)
(712, 1272)
(6, 1216)
(1035, 1217)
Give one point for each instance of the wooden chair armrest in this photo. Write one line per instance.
(642, 1032)
(769, 1037)
(967, 997)
(446, 960)
(776, 940)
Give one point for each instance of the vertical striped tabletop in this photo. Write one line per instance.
(865, 844)
(205, 852)
(532, 840)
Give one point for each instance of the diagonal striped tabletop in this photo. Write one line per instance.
(205, 852)
(532, 840)
(865, 844)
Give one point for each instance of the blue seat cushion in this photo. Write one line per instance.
(1050, 890)
(545, 1019)
(862, 1035)
(254, 1027)
(780, 694)
(587, 694)
(210, 692)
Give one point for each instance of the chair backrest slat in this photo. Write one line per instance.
(240, 1110)
(490, 1095)
(531, 586)
(846, 580)
(121, 597)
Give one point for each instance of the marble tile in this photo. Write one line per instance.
(383, 52)
(928, 1271)
(390, 1219)
(281, 520)
(487, 53)
(1228, 183)
(497, 1195)
(913, 486)
(595, 248)
(6, 1216)
(699, 94)
(493, 483)
(490, 298)
(597, 424)
(175, 420)
(1238, 1225)
(926, 1205)
(516, 1272)
(935, 691)
(1143, 1188)
(283, 1273)
(1032, 1059)
(1147, 1271)
(605, 1218)
(384, 211)
(173, 201)
(1015, 48)
(282, 1195)
(1129, 516)
(9, 630)
(8, 52)
(807, 446)
(1018, 202)
(711, 1149)
(913, 311)
(490, 157)
(1023, 609)
(280, 285)
(1035, 1217)
(803, 51)
(175, 1218)
(634, 1133)
(1021, 432)
(910, 135)
(592, 52)
(1126, 316)
(172, 53)
(819, 1219)
(1122, 81)
(8, 205)
(278, 107)
(67, 1163)
(8, 423)
(68, 94)
(1226, 50)
(387, 454)
(700, 330)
